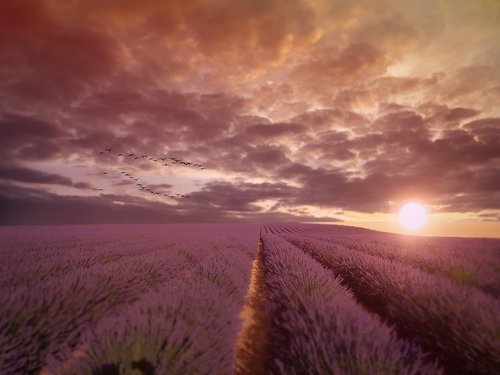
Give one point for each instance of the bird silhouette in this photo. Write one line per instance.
(171, 162)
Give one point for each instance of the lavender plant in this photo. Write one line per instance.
(459, 323)
(46, 316)
(189, 327)
(470, 261)
(318, 328)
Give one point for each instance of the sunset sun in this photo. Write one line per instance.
(413, 216)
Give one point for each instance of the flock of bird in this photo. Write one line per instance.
(164, 161)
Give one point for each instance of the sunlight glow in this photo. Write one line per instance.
(413, 216)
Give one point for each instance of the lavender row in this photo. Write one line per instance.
(39, 320)
(60, 262)
(189, 327)
(458, 323)
(314, 229)
(31, 256)
(318, 328)
(474, 262)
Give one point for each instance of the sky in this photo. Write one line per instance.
(314, 111)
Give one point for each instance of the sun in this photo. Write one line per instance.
(413, 216)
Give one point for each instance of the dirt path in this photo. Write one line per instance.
(252, 344)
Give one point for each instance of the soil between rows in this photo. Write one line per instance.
(252, 344)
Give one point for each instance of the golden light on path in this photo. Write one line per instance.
(413, 216)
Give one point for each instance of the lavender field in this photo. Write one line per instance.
(246, 299)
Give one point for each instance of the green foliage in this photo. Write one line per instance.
(463, 275)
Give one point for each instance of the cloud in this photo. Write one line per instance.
(239, 197)
(331, 118)
(160, 186)
(24, 206)
(27, 175)
(53, 58)
(327, 103)
(329, 66)
(273, 130)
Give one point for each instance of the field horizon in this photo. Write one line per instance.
(341, 224)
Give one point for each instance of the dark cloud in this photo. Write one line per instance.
(27, 175)
(239, 197)
(273, 130)
(457, 114)
(23, 206)
(54, 57)
(335, 188)
(265, 157)
(329, 146)
(26, 137)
